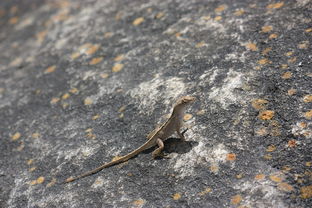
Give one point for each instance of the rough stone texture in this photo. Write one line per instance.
(84, 81)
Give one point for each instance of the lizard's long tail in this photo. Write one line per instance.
(114, 162)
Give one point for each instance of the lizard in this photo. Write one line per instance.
(156, 137)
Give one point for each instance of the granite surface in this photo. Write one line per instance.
(83, 82)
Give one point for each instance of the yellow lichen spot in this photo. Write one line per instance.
(88, 130)
(32, 169)
(33, 182)
(30, 161)
(75, 55)
(272, 36)
(104, 75)
(308, 164)
(200, 112)
(309, 29)
(267, 157)
(266, 51)
(16, 136)
(200, 44)
(266, 115)
(287, 75)
(259, 104)
(289, 53)
(54, 100)
(50, 69)
(119, 57)
(73, 90)
(308, 114)
(231, 157)
(292, 60)
(239, 176)
(138, 202)
(258, 67)
(220, 8)
(292, 143)
(187, 117)
(218, 18)
(117, 67)
(95, 117)
(251, 46)
(16, 62)
(286, 169)
(285, 187)
(236, 199)
(65, 105)
(177, 35)
(13, 20)
(239, 12)
(121, 115)
(263, 61)
(176, 196)
(307, 99)
(275, 6)
(65, 96)
(204, 192)
(259, 177)
(35, 135)
(271, 148)
(92, 49)
(291, 91)
(306, 192)
(41, 36)
(284, 66)
(88, 101)
(303, 45)
(53, 181)
(138, 21)
(91, 136)
(206, 18)
(262, 131)
(159, 15)
(40, 180)
(108, 34)
(266, 28)
(275, 178)
(122, 109)
(214, 168)
(96, 60)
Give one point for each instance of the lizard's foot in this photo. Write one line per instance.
(160, 155)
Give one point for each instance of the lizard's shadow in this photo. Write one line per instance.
(175, 145)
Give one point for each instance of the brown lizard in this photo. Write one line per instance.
(156, 137)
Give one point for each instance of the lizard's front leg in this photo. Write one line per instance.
(181, 134)
(157, 152)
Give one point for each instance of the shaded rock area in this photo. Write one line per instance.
(82, 82)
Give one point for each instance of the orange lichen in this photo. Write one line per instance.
(176, 196)
(214, 168)
(138, 202)
(231, 156)
(308, 114)
(309, 29)
(275, 178)
(204, 192)
(96, 60)
(306, 192)
(259, 177)
(187, 117)
(35, 135)
(220, 8)
(13, 20)
(138, 21)
(259, 104)
(117, 67)
(73, 90)
(159, 15)
(262, 131)
(271, 148)
(54, 100)
(16, 136)
(41, 36)
(50, 69)
(276, 5)
(291, 91)
(108, 34)
(266, 51)
(266, 115)
(239, 12)
(264, 61)
(236, 199)
(119, 57)
(289, 53)
(206, 18)
(95, 117)
(266, 28)
(88, 101)
(287, 75)
(303, 45)
(308, 164)
(53, 181)
(267, 157)
(104, 75)
(292, 60)
(272, 36)
(251, 46)
(200, 112)
(292, 143)
(307, 99)
(218, 18)
(75, 55)
(92, 49)
(65, 96)
(40, 180)
(285, 187)
(200, 44)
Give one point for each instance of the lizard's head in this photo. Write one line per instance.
(184, 101)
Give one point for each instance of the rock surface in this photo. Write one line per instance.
(82, 82)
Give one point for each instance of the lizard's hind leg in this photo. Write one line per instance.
(157, 152)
